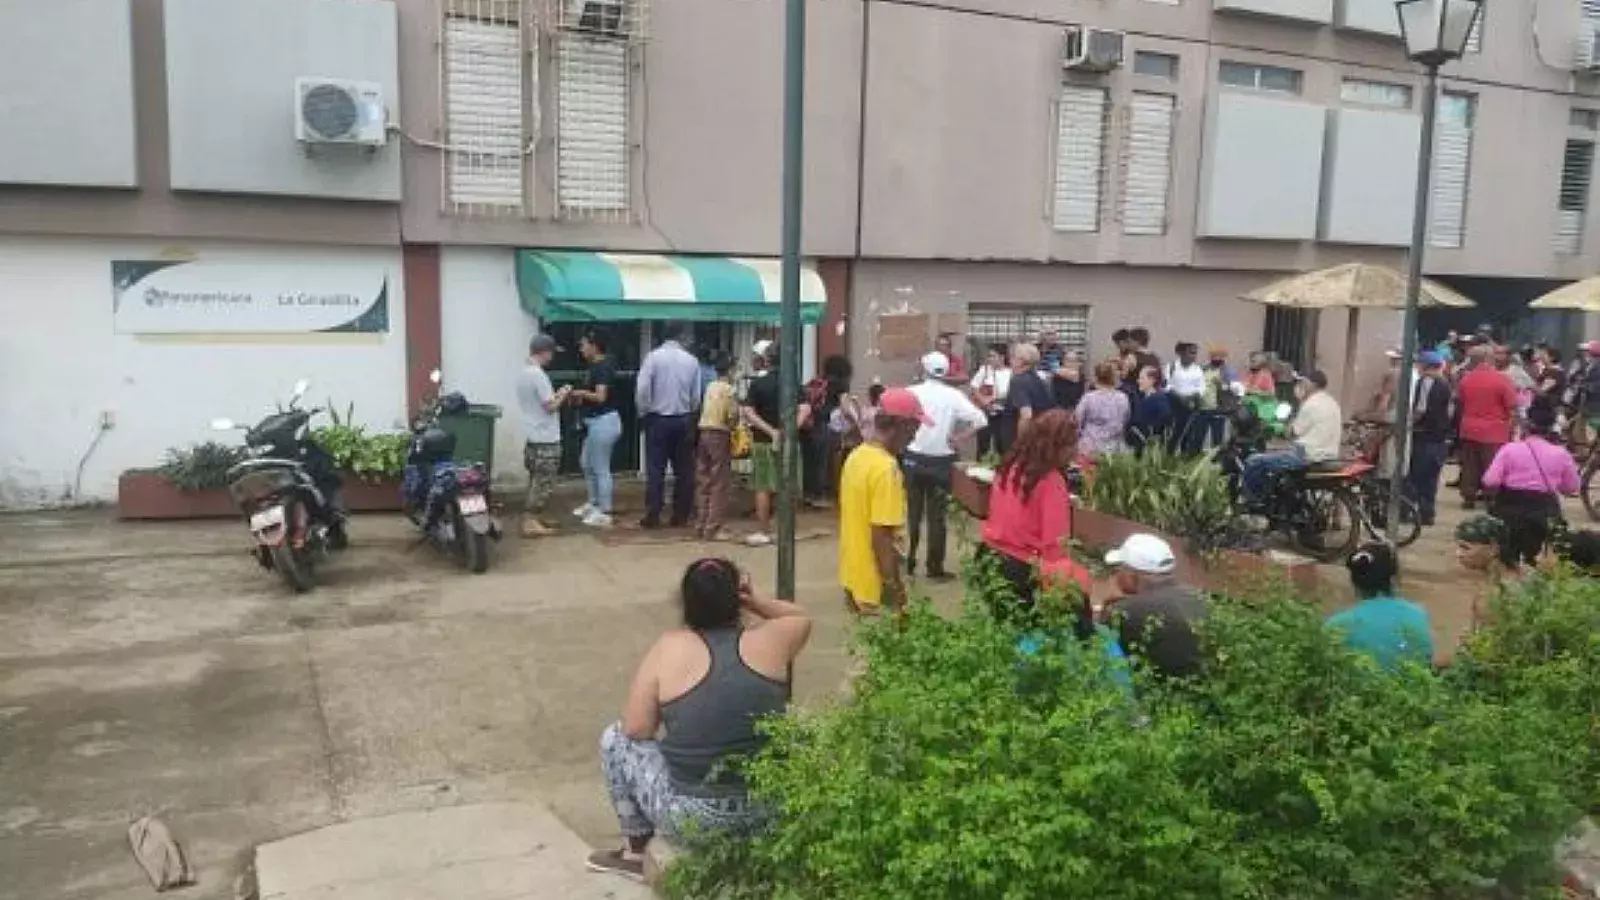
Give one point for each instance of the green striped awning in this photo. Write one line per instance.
(578, 286)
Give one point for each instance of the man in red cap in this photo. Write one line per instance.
(872, 507)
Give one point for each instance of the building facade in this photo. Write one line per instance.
(204, 200)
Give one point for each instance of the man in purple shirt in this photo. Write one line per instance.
(667, 393)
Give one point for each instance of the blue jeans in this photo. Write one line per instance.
(1253, 478)
(1422, 476)
(603, 432)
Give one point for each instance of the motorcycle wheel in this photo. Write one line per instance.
(1332, 527)
(472, 548)
(1590, 491)
(294, 566)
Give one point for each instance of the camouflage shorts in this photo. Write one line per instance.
(542, 462)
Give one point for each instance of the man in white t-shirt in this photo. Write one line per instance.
(1317, 431)
(928, 459)
(1186, 382)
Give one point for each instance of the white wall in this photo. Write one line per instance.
(484, 341)
(62, 366)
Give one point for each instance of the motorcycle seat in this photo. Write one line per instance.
(1338, 468)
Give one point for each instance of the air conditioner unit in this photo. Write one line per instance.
(1093, 49)
(339, 111)
(1587, 59)
(606, 18)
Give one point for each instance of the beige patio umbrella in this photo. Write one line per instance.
(1353, 287)
(1583, 296)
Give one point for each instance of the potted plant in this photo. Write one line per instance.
(190, 483)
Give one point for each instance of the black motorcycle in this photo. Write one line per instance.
(288, 491)
(447, 501)
(1315, 508)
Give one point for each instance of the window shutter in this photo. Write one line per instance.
(1149, 168)
(1577, 166)
(1475, 36)
(1452, 158)
(592, 170)
(483, 115)
(1080, 149)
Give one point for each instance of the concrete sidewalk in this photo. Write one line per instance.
(156, 669)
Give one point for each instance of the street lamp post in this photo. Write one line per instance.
(794, 106)
(1435, 33)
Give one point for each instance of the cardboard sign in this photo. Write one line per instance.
(903, 336)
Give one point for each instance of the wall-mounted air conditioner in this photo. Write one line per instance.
(339, 111)
(1587, 58)
(1092, 49)
(602, 18)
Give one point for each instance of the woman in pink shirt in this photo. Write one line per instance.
(1528, 478)
(1030, 519)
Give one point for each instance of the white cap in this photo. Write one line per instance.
(936, 364)
(761, 347)
(1144, 553)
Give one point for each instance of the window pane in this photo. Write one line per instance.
(1456, 109)
(1587, 119)
(1274, 78)
(1375, 93)
(1160, 65)
(1237, 74)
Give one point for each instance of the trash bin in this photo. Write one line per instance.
(474, 434)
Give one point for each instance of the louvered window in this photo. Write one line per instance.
(1475, 36)
(485, 145)
(1147, 179)
(1009, 324)
(1452, 169)
(592, 140)
(1577, 168)
(1375, 93)
(1080, 156)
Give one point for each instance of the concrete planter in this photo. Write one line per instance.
(146, 495)
(1223, 572)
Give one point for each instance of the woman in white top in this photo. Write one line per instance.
(1186, 382)
(991, 384)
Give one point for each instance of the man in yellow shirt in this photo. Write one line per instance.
(872, 507)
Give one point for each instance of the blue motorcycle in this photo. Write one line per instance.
(446, 500)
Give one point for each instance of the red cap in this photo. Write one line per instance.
(902, 404)
(1592, 348)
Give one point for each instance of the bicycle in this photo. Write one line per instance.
(1372, 489)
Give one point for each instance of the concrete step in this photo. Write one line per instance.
(491, 851)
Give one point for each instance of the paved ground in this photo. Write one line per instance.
(154, 669)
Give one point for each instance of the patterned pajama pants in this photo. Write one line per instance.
(647, 803)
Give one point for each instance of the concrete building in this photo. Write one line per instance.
(203, 200)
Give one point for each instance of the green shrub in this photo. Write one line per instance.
(1541, 645)
(202, 466)
(1184, 496)
(1295, 769)
(370, 456)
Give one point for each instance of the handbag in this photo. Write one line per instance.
(739, 441)
(1501, 509)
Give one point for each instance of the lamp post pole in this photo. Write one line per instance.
(794, 104)
(1408, 336)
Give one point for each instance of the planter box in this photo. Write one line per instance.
(147, 495)
(1227, 571)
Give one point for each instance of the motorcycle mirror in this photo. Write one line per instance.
(436, 376)
(1283, 411)
(300, 388)
(222, 425)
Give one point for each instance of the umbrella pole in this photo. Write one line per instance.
(1347, 385)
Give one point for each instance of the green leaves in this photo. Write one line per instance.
(1295, 768)
(368, 456)
(1184, 496)
(202, 466)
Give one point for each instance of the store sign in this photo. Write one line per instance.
(201, 297)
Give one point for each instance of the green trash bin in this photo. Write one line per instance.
(474, 434)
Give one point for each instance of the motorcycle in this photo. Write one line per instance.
(447, 501)
(1316, 507)
(288, 491)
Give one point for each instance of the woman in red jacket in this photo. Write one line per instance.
(1030, 519)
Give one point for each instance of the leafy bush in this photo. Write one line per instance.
(1541, 644)
(370, 456)
(200, 467)
(1294, 769)
(1185, 496)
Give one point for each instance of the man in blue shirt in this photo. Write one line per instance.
(667, 393)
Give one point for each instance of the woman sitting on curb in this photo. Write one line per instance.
(704, 686)
(1383, 625)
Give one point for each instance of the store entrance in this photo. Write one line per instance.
(622, 342)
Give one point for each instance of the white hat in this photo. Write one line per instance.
(1144, 553)
(936, 364)
(761, 347)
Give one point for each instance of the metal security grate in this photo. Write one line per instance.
(1577, 169)
(593, 146)
(486, 147)
(1452, 170)
(1147, 168)
(1009, 324)
(1362, 92)
(1080, 158)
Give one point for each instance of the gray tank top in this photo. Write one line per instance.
(716, 719)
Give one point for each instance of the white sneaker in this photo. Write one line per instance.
(583, 511)
(758, 539)
(597, 519)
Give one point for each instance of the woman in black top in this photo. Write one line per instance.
(602, 428)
